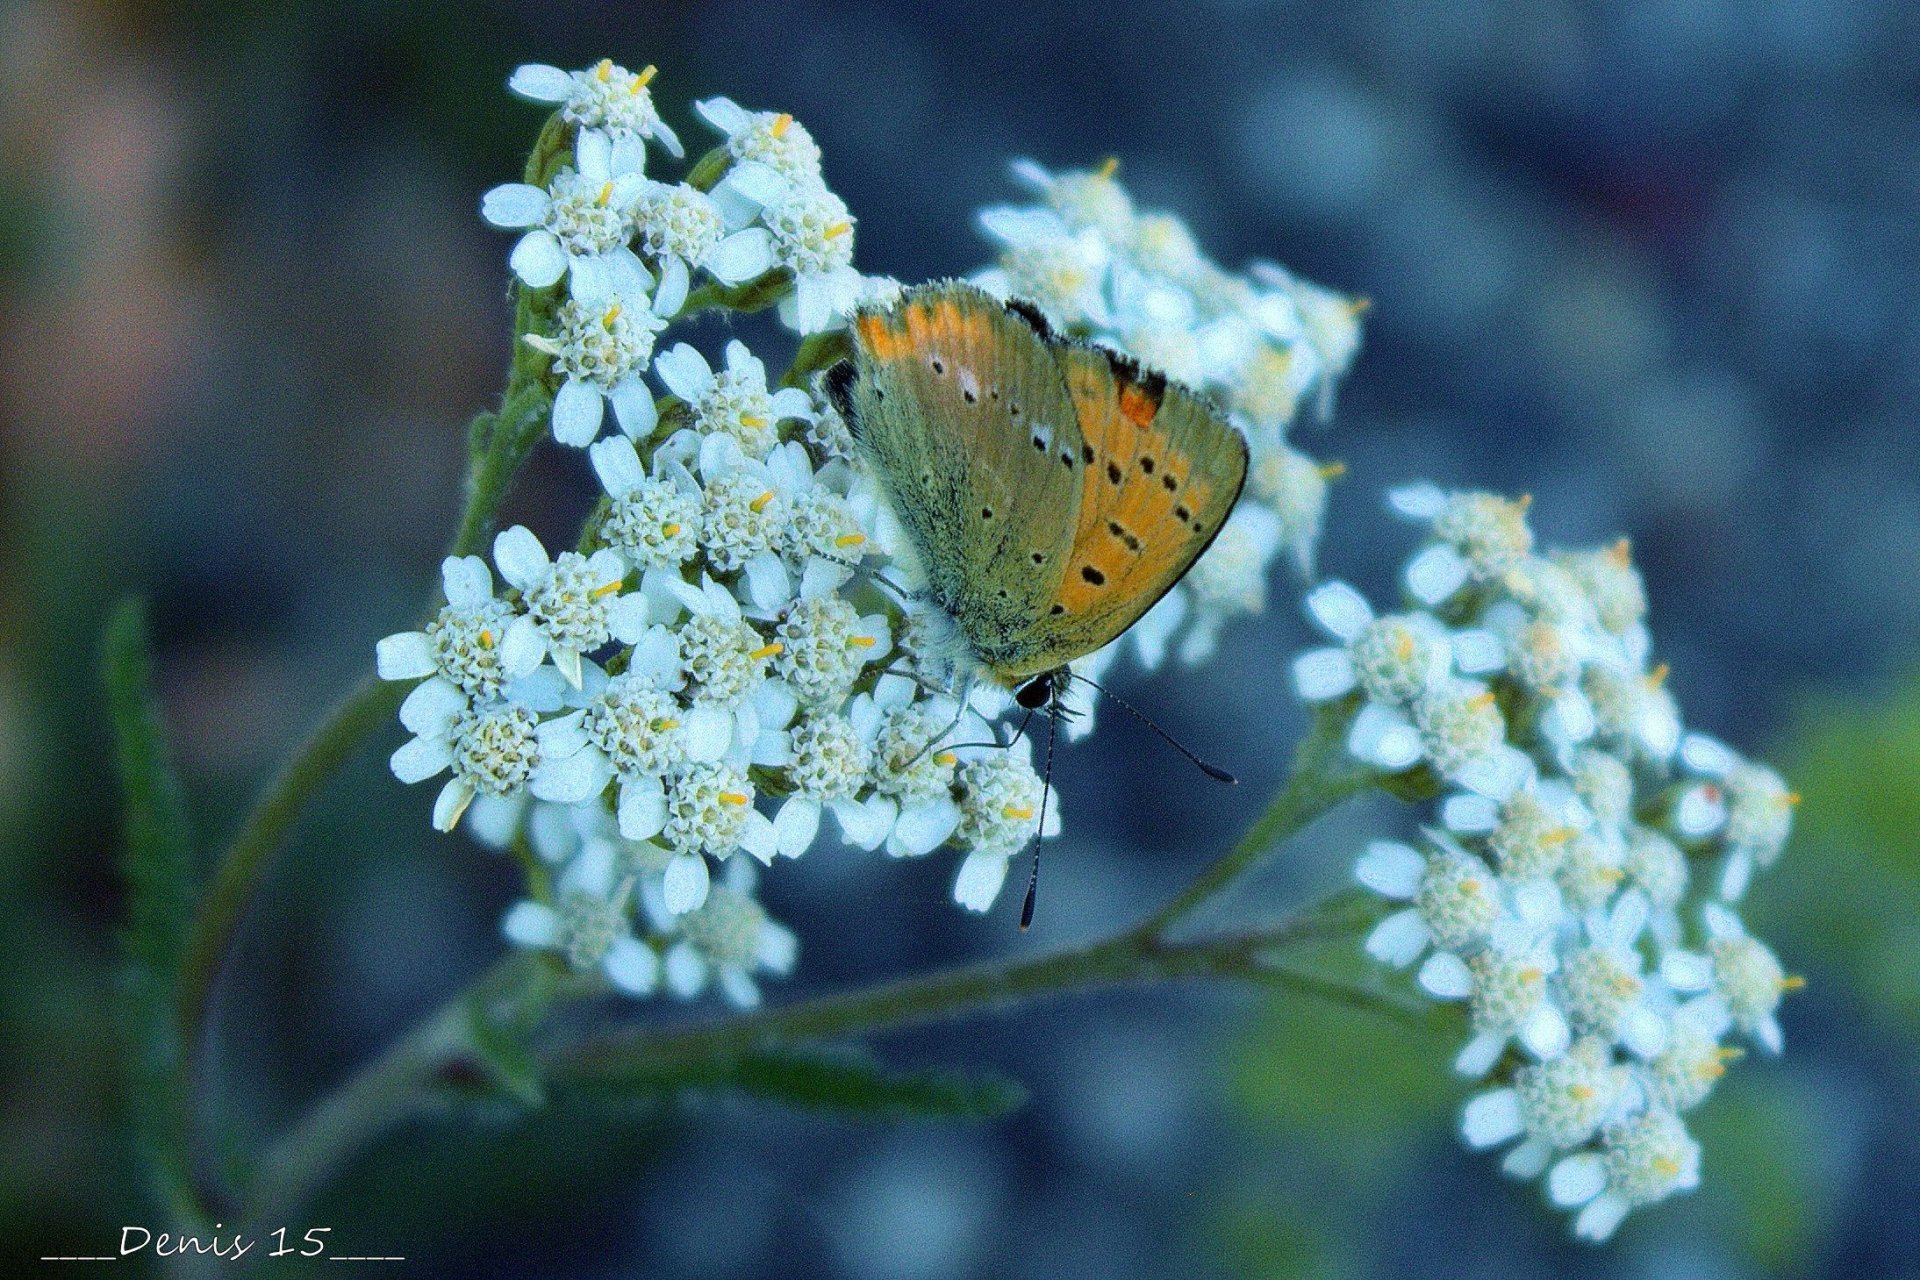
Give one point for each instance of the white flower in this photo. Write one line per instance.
(1230, 579)
(828, 762)
(1602, 985)
(1455, 900)
(1554, 1105)
(580, 224)
(601, 349)
(1083, 198)
(654, 522)
(573, 601)
(1000, 802)
(1746, 805)
(730, 936)
(472, 642)
(605, 97)
(683, 229)
(1747, 977)
(1394, 659)
(492, 748)
(775, 140)
(589, 924)
(734, 401)
(1642, 1159)
(1294, 488)
(1477, 537)
(913, 767)
(813, 238)
(1063, 272)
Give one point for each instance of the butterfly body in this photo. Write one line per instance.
(1052, 491)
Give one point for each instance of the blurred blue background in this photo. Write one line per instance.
(1652, 262)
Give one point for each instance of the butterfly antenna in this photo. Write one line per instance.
(1046, 794)
(1213, 771)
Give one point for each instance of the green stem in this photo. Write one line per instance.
(403, 1082)
(1322, 778)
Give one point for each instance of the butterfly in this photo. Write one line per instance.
(1052, 491)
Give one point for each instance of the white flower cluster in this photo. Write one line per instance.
(1577, 889)
(1257, 343)
(630, 248)
(718, 667)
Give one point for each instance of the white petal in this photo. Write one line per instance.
(738, 986)
(570, 779)
(541, 83)
(1341, 610)
(707, 733)
(1320, 674)
(979, 880)
(1545, 1034)
(538, 259)
(593, 155)
(1399, 939)
(1736, 876)
(1435, 574)
(1445, 976)
(1528, 1160)
(1686, 970)
(743, 256)
(1491, 1118)
(419, 759)
(567, 661)
(685, 883)
(686, 971)
(629, 155)
(1391, 868)
(672, 293)
(1498, 774)
(724, 114)
(631, 966)
(669, 139)
(521, 559)
(1384, 738)
(1577, 1179)
(643, 808)
(523, 647)
(1643, 1031)
(627, 618)
(514, 205)
(1470, 814)
(1708, 755)
(451, 803)
(1478, 1055)
(617, 463)
(578, 408)
(759, 838)
(1600, 1219)
(684, 371)
(494, 820)
(466, 581)
(531, 925)
(405, 656)
(922, 827)
(796, 825)
(1478, 653)
(430, 708)
(865, 824)
(1421, 501)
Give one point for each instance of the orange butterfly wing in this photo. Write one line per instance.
(1164, 470)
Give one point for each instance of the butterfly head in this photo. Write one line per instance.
(1039, 691)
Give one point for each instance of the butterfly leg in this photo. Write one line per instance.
(959, 711)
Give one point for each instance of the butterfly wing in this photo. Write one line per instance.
(1165, 470)
(960, 407)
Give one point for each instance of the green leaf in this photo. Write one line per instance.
(819, 1080)
(157, 864)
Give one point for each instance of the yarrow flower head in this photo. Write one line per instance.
(1556, 897)
(605, 98)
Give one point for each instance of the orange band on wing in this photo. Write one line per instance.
(1136, 406)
